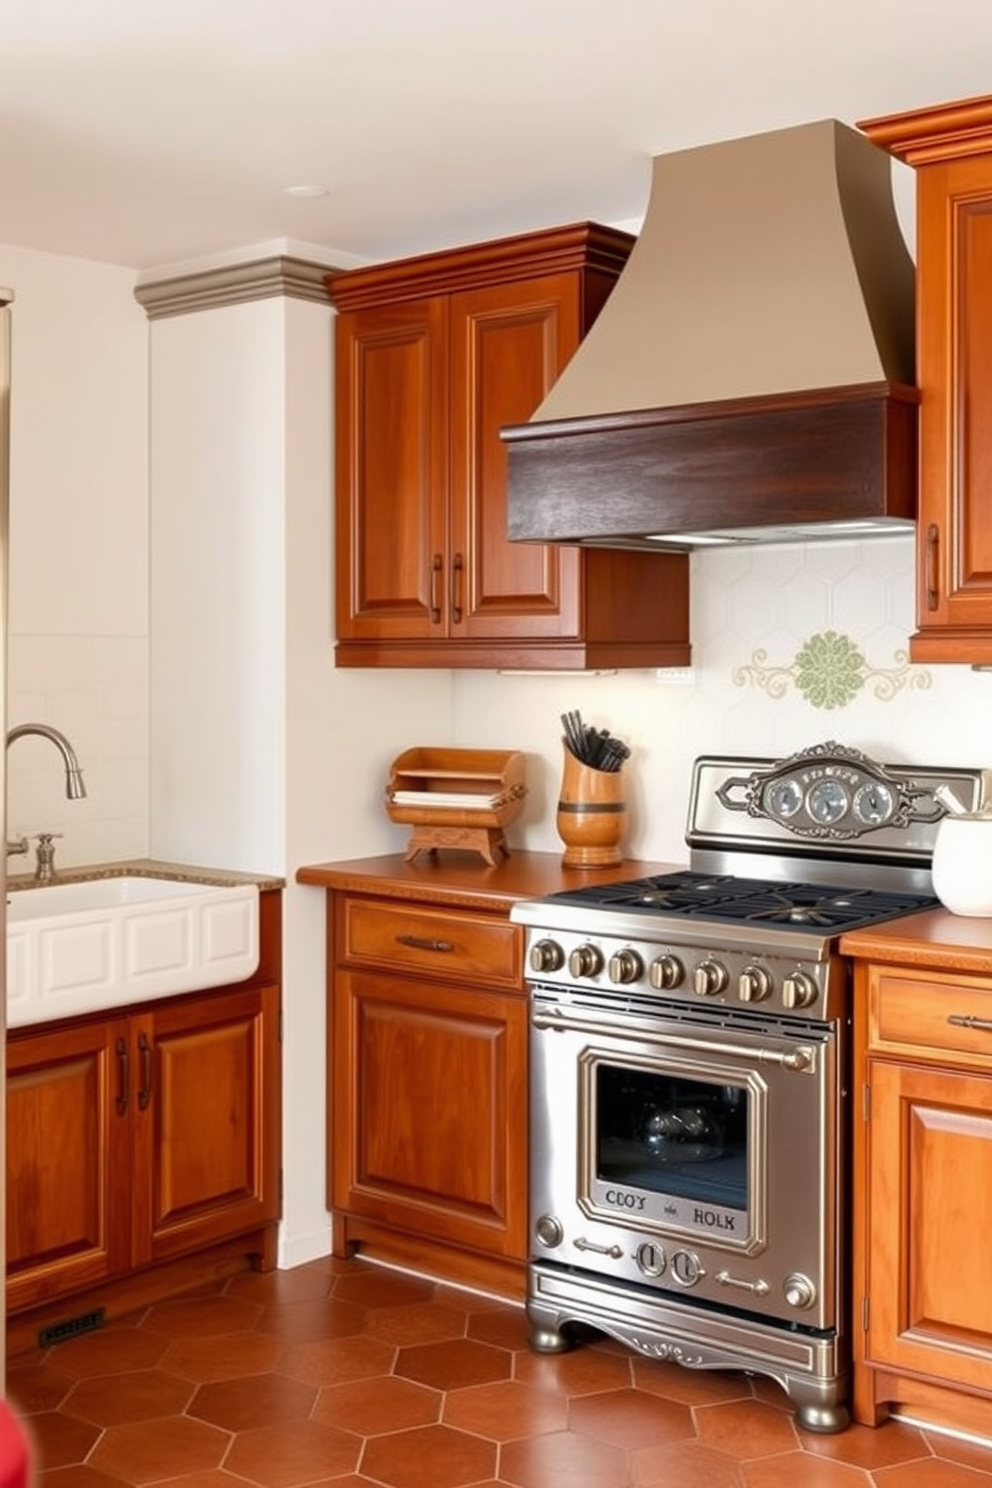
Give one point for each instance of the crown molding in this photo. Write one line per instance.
(235, 284)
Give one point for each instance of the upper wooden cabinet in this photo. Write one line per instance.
(951, 148)
(433, 356)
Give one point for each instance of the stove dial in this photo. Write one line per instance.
(709, 978)
(686, 1268)
(666, 972)
(625, 967)
(799, 1290)
(650, 1258)
(754, 984)
(548, 1230)
(798, 990)
(546, 955)
(585, 961)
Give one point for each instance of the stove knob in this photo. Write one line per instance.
(666, 972)
(625, 967)
(709, 978)
(799, 1290)
(798, 990)
(754, 985)
(586, 961)
(546, 955)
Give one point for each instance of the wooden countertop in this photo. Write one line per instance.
(449, 876)
(934, 938)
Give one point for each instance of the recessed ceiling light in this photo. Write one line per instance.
(306, 191)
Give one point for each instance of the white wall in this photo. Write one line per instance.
(78, 615)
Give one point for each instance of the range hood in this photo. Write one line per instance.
(750, 378)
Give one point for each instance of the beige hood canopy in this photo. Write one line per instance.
(750, 378)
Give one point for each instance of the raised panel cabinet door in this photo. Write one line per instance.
(206, 1120)
(508, 344)
(930, 1217)
(391, 560)
(430, 1113)
(67, 1160)
(955, 372)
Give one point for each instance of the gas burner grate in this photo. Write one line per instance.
(731, 900)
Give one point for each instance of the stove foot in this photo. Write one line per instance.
(823, 1419)
(548, 1340)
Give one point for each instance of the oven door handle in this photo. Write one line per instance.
(799, 1057)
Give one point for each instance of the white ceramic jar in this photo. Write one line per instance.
(962, 863)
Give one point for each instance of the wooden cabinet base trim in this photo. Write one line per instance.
(881, 1393)
(144, 1288)
(351, 1236)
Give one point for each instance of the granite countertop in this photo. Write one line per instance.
(144, 868)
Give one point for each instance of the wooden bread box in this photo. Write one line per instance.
(463, 798)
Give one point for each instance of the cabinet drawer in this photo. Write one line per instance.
(440, 943)
(913, 1012)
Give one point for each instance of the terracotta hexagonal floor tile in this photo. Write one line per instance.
(563, 1459)
(57, 1440)
(88, 1477)
(868, 1447)
(296, 1452)
(507, 1329)
(257, 1400)
(376, 1287)
(371, 1407)
(506, 1410)
(335, 1360)
(312, 1318)
(37, 1386)
(746, 1429)
(447, 1366)
(690, 1386)
(685, 1465)
(969, 1454)
(630, 1418)
(110, 1351)
(196, 1315)
(797, 1470)
(429, 1457)
(228, 1356)
(935, 1472)
(416, 1322)
(167, 1448)
(269, 1288)
(581, 1371)
(142, 1395)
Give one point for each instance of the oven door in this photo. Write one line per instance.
(684, 1154)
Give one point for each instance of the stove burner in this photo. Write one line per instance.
(731, 900)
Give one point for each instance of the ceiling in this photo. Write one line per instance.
(153, 135)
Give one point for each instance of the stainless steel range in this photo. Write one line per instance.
(689, 1056)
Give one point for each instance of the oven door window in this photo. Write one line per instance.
(672, 1151)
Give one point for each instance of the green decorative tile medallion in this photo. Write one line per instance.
(830, 671)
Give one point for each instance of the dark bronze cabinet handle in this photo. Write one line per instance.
(145, 1088)
(457, 573)
(123, 1077)
(437, 566)
(421, 943)
(931, 555)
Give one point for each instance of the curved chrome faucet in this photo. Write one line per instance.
(74, 787)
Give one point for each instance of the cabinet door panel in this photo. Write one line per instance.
(206, 1166)
(391, 400)
(930, 1162)
(430, 1110)
(67, 1152)
(508, 344)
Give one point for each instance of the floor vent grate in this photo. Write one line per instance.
(72, 1327)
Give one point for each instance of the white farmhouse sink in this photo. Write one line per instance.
(103, 943)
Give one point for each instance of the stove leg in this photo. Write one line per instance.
(821, 1416)
(546, 1331)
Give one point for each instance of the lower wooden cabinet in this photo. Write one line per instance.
(136, 1138)
(923, 1196)
(428, 1079)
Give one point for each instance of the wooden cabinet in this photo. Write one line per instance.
(923, 1194)
(428, 1082)
(951, 148)
(136, 1138)
(434, 355)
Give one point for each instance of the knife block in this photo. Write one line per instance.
(457, 798)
